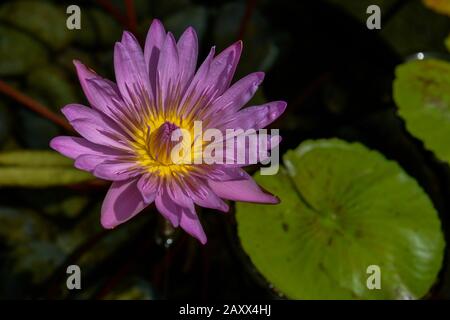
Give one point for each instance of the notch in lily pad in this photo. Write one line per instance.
(343, 208)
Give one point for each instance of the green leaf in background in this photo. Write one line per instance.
(98, 29)
(108, 30)
(52, 84)
(195, 17)
(447, 43)
(34, 158)
(358, 8)
(65, 59)
(415, 29)
(165, 8)
(19, 52)
(412, 29)
(343, 208)
(260, 50)
(38, 169)
(42, 19)
(440, 6)
(422, 94)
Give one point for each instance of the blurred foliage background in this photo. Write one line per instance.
(337, 77)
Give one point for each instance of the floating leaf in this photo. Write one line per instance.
(440, 6)
(38, 169)
(41, 19)
(422, 94)
(19, 52)
(343, 208)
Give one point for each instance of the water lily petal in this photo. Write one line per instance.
(255, 117)
(122, 202)
(115, 170)
(100, 92)
(88, 162)
(196, 89)
(208, 198)
(223, 67)
(167, 207)
(148, 185)
(94, 126)
(242, 190)
(73, 147)
(191, 224)
(168, 71)
(238, 94)
(130, 68)
(187, 51)
(153, 45)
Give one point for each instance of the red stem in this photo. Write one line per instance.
(34, 106)
(131, 16)
(109, 7)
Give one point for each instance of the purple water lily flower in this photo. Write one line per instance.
(126, 131)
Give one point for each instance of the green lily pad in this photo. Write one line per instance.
(42, 19)
(343, 209)
(15, 52)
(422, 94)
(38, 169)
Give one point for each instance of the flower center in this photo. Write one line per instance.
(160, 143)
(161, 148)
